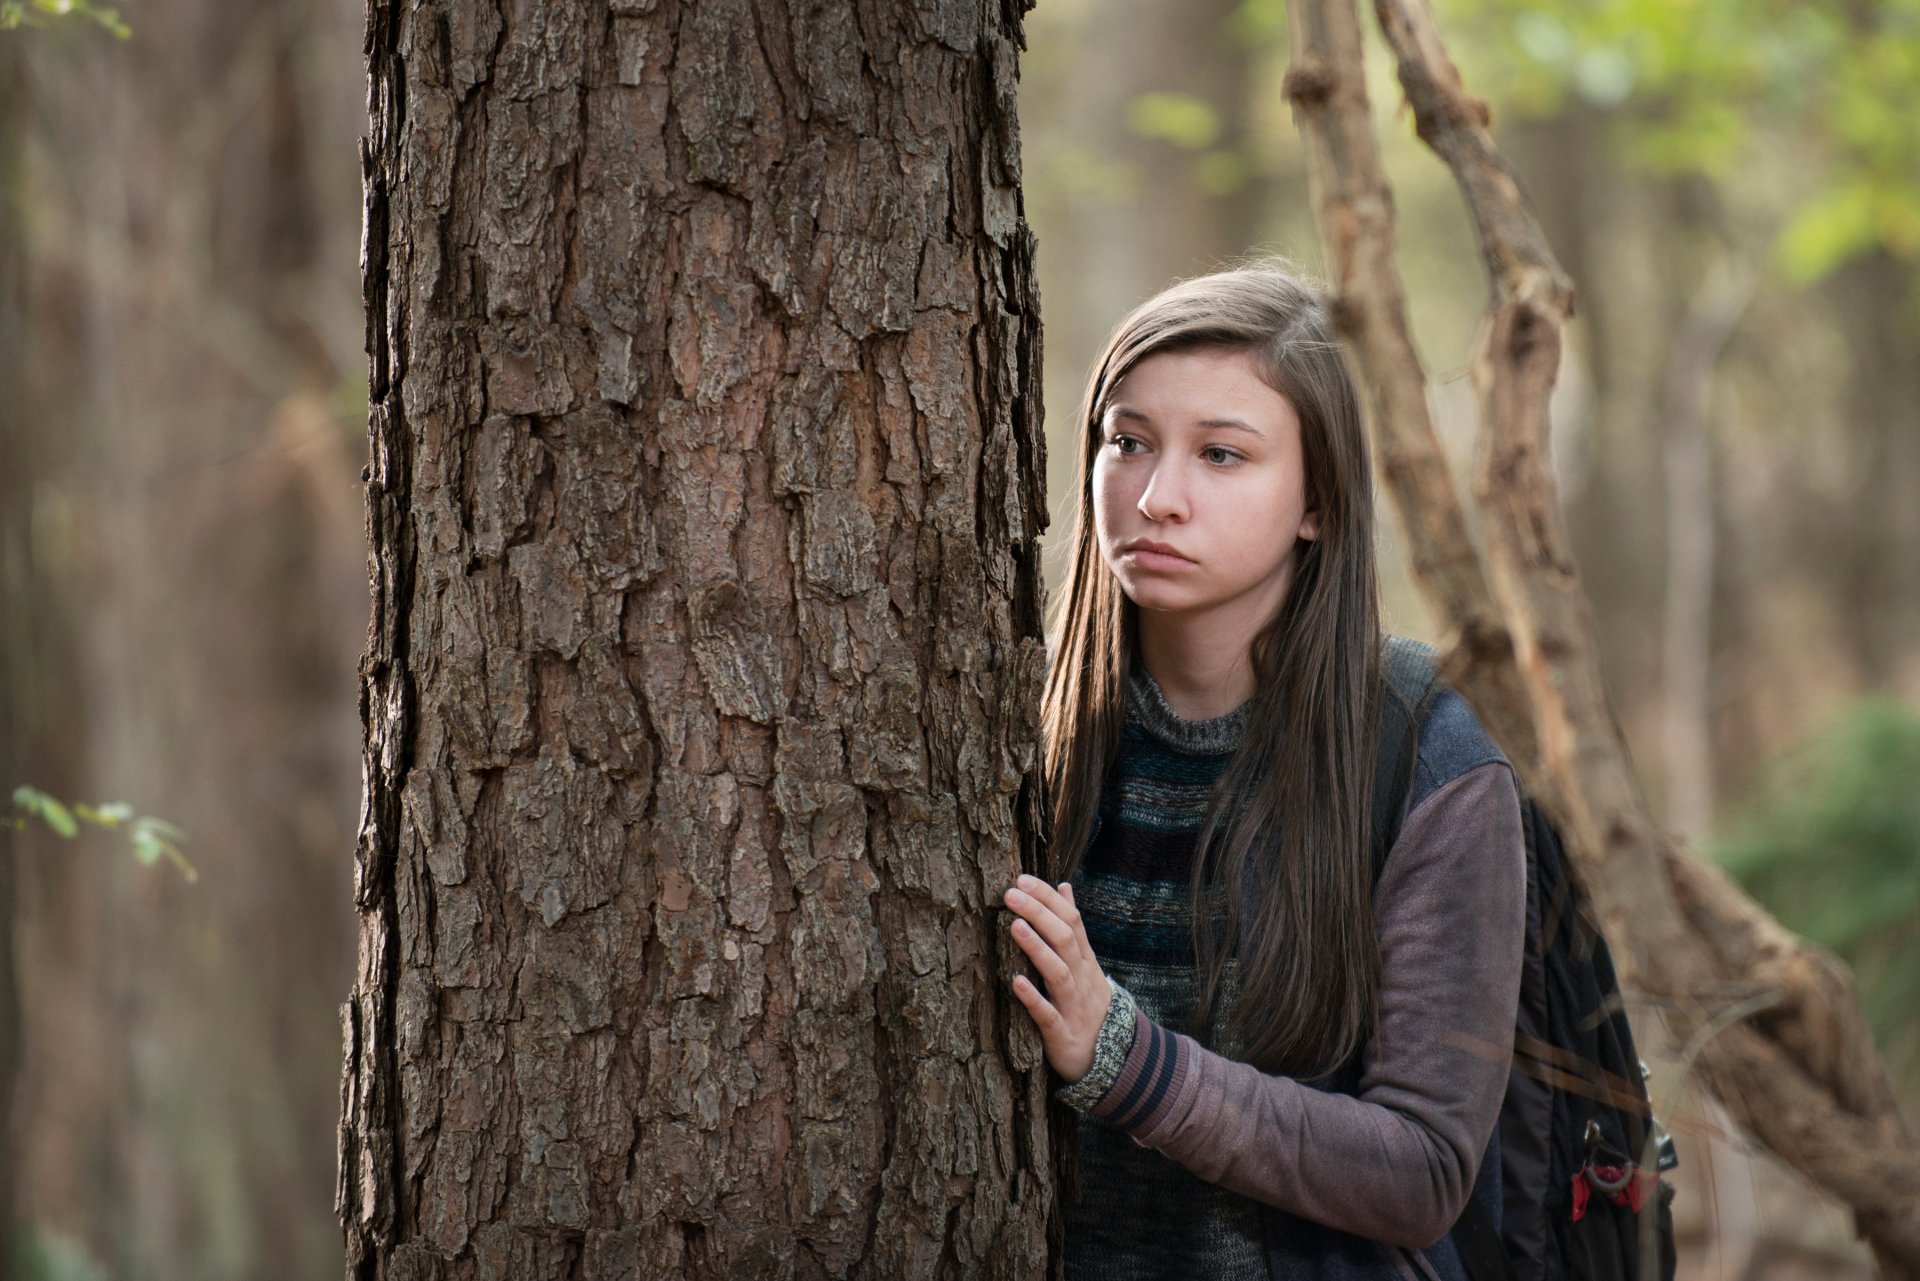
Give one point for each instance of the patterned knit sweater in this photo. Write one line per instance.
(1195, 1165)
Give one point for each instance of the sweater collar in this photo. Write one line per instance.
(1147, 706)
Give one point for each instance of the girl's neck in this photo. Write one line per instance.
(1202, 673)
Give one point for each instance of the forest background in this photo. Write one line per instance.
(1733, 184)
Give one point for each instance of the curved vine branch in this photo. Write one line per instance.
(1804, 1078)
(1370, 312)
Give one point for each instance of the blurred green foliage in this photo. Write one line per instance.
(1179, 118)
(1259, 22)
(1086, 174)
(1191, 124)
(1821, 88)
(43, 1255)
(1816, 94)
(151, 839)
(1831, 846)
(41, 13)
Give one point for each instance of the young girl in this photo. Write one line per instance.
(1285, 1067)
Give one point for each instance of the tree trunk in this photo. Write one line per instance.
(700, 698)
(1876, 579)
(1687, 650)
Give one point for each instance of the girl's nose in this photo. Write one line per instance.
(1165, 497)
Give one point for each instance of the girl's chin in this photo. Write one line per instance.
(1151, 597)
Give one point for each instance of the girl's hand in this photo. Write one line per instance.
(1050, 932)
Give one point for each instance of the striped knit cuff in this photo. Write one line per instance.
(1149, 1082)
(1110, 1046)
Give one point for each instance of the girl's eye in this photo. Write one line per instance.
(1124, 444)
(1219, 455)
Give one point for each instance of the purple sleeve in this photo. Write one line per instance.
(1396, 1162)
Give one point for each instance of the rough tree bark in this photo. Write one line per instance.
(702, 675)
(1803, 1076)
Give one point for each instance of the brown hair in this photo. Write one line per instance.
(1282, 875)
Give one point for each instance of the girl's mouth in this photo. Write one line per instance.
(1152, 558)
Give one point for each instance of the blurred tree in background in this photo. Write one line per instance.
(1733, 184)
(184, 605)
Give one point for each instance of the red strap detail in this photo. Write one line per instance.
(1631, 1196)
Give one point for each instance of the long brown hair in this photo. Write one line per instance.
(1282, 875)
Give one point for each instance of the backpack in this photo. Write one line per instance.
(1576, 1122)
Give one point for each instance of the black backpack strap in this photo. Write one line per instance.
(1410, 681)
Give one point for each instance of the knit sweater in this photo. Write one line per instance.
(1194, 1164)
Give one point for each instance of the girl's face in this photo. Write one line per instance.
(1199, 493)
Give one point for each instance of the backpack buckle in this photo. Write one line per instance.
(1597, 1175)
(1598, 1150)
(1607, 1170)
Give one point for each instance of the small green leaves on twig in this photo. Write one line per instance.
(41, 13)
(152, 838)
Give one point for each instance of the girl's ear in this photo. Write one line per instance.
(1310, 526)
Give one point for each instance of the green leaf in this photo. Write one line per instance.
(161, 828)
(58, 817)
(151, 838)
(147, 847)
(51, 811)
(111, 814)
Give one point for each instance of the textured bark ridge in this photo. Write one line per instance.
(702, 675)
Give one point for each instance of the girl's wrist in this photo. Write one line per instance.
(1110, 1047)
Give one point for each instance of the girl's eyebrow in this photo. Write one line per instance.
(1134, 415)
